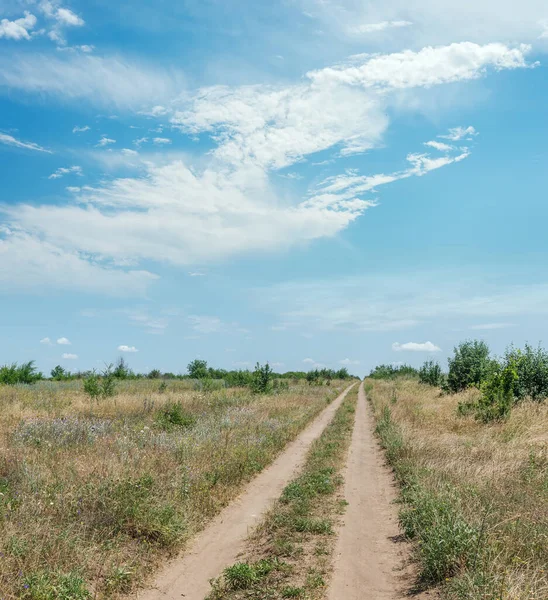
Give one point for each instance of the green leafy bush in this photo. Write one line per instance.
(174, 415)
(470, 366)
(197, 369)
(24, 373)
(393, 371)
(498, 393)
(532, 372)
(430, 374)
(262, 379)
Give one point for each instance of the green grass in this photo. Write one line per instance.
(474, 498)
(298, 532)
(94, 495)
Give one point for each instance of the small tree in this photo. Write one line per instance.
(154, 374)
(497, 396)
(197, 369)
(430, 374)
(532, 372)
(92, 386)
(262, 379)
(470, 366)
(59, 374)
(121, 370)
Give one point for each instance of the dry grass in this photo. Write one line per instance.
(475, 496)
(289, 554)
(94, 495)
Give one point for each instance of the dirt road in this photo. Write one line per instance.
(366, 558)
(224, 538)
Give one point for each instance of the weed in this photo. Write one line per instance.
(174, 415)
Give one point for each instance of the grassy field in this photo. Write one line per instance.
(289, 554)
(474, 496)
(93, 495)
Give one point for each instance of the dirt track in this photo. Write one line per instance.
(224, 538)
(367, 561)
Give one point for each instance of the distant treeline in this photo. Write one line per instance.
(27, 373)
(503, 381)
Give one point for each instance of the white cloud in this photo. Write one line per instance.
(376, 27)
(31, 264)
(439, 146)
(458, 133)
(160, 140)
(68, 356)
(191, 212)
(61, 171)
(104, 141)
(108, 82)
(73, 189)
(63, 341)
(129, 152)
(415, 347)
(138, 142)
(67, 17)
(309, 361)
(434, 22)
(156, 111)
(207, 324)
(77, 129)
(348, 362)
(46, 341)
(427, 67)
(152, 325)
(124, 348)
(18, 29)
(9, 140)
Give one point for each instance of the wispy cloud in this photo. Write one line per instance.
(105, 141)
(415, 347)
(64, 341)
(377, 27)
(68, 356)
(161, 141)
(348, 362)
(101, 81)
(46, 341)
(77, 129)
(124, 348)
(458, 133)
(9, 140)
(62, 171)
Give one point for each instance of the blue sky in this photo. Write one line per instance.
(308, 182)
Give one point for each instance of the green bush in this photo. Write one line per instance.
(197, 369)
(430, 374)
(100, 387)
(393, 371)
(24, 373)
(498, 394)
(262, 379)
(174, 415)
(532, 372)
(470, 366)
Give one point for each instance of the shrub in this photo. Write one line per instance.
(393, 371)
(100, 387)
(197, 369)
(532, 372)
(262, 379)
(154, 374)
(173, 415)
(121, 370)
(470, 366)
(430, 374)
(498, 393)
(24, 373)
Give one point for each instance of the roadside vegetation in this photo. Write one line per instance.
(289, 554)
(103, 476)
(469, 449)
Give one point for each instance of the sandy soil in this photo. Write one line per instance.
(369, 559)
(220, 543)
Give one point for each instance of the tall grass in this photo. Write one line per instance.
(94, 494)
(474, 498)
